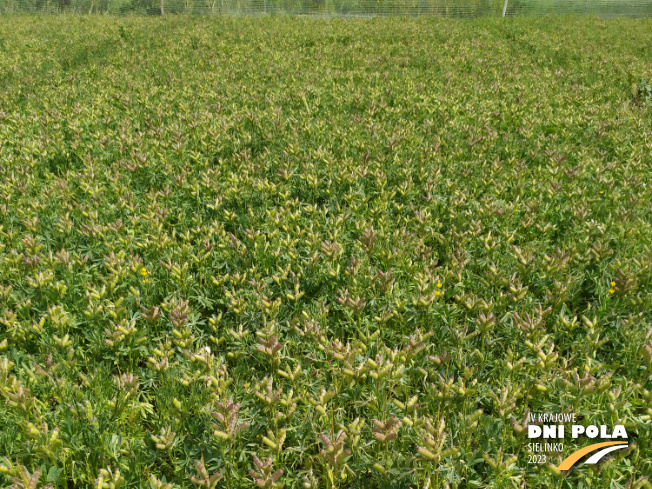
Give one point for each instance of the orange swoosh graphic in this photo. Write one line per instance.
(574, 457)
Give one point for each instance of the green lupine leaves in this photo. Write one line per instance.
(266, 256)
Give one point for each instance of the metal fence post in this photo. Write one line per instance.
(505, 8)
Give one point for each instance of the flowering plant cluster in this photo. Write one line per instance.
(321, 253)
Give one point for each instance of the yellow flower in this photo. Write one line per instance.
(145, 280)
(143, 272)
(437, 293)
(611, 291)
(439, 284)
(612, 283)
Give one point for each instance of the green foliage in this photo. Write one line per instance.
(241, 252)
(642, 92)
(446, 8)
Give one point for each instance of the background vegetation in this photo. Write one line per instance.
(355, 251)
(445, 8)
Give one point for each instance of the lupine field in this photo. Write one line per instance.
(266, 252)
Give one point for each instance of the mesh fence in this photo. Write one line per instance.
(444, 8)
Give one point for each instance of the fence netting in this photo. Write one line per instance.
(444, 8)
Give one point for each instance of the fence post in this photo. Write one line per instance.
(505, 8)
